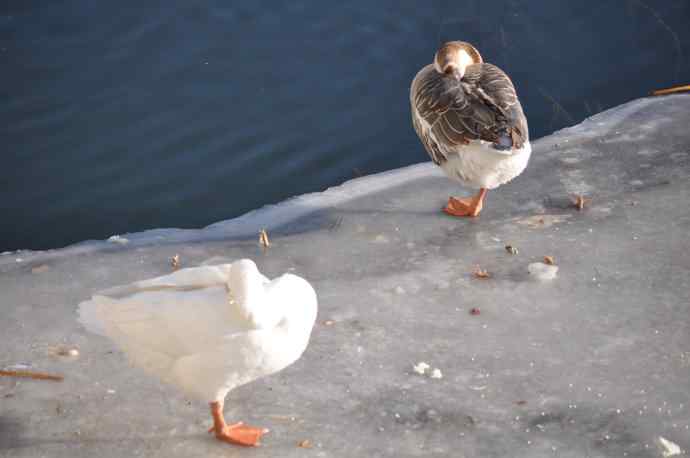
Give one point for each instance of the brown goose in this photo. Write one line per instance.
(469, 119)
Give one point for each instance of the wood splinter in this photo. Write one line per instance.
(32, 375)
(672, 90)
(263, 238)
(478, 272)
(580, 201)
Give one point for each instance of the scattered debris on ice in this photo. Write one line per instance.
(668, 448)
(17, 367)
(421, 368)
(263, 238)
(542, 221)
(31, 375)
(542, 271)
(478, 272)
(381, 239)
(580, 202)
(306, 443)
(63, 351)
(40, 269)
(118, 239)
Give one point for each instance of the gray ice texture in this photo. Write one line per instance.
(592, 363)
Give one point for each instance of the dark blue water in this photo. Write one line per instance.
(122, 116)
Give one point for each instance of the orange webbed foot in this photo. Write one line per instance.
(462, 207)
(469, 206)
(236, 433)
(241, 434)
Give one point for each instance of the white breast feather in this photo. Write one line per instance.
(480, 165)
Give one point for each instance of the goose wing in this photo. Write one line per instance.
(483, 105)
(160, 320)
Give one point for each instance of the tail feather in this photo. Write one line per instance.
(504, 144)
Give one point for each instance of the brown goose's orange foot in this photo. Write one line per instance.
(470, 206)
(463, 207)
(239, 434)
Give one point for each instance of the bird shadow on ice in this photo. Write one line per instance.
(13, 435)
(10, 431)
(593, 431)
(30, 442)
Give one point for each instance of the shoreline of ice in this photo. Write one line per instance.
(246, 225)
(276, 215)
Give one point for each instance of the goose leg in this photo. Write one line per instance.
(469, 206)
(236, 433)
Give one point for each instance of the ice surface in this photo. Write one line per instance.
(595, 362)
(542, 271)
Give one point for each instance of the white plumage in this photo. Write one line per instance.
(207, 329)
(479, 165)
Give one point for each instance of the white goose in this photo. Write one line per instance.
(208, 330)
(469, 119)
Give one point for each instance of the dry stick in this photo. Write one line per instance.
(263, 238)
(672, 90)
(32, 375)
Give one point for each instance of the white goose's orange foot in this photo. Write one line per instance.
(236, 433)
(469, 206)
(240, 434)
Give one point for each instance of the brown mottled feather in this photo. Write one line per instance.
(481, 106)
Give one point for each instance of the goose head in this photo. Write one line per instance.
(454, 57)
(244, 280)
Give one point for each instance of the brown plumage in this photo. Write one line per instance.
(468, 116)
(482, 105)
